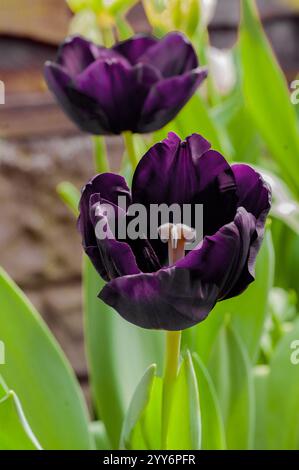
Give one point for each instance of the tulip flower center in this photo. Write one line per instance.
(176, 235)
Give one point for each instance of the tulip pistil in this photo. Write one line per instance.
(176, 235)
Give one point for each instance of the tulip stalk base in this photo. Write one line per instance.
(173, 344)
(176, 236)
(129, 144)
(101, 162)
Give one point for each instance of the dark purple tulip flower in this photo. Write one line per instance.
(138, 85)
(140, 284)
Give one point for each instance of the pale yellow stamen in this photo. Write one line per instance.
(176, 235)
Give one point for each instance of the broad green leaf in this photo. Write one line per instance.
(283, 396)
(151, 418)
(244, 136)
(142, 424)
(266, 96)
(3, 388)
(227, 109)
(213, 433)
(184, 430)
(99, 435)
(201, 338)
(118, 353)
(287, 256)
(40, 375)
(132, 436)
(230, 370)
(261, 377)
(15, 432)
(249, 310)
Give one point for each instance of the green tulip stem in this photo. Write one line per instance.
(175, 234)
(173, 344)
(101, 162)
(129, 144)
(107, 36)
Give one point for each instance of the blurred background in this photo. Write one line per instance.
(39, 147)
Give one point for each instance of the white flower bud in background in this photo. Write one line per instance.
(222, 69)
(85, 23)
(207, 11)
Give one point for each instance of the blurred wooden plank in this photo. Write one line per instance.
(33, 114)
(44, 20)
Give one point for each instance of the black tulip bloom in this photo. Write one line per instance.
(138, 85)
(140, 285)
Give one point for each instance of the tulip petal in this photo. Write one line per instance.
(75, 54)
(172, 55)
(81, 109)
(221, 258)
(134, 47)
(186, 172)
(167, 98)
(255, 195)
(182, 295)
(110, 186)
(118, 89)
(168, 299)
(137, 85)
(107, 188)
(253, 192)
(116, 256)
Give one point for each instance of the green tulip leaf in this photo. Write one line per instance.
(213, 433)
(266, 96)
(230, 370)
(132, 434)
(184, 429)
(200, 338)
(99, 435)
(249, 310)
(283, 396)
(118, 353)
(39, 374)
(261, 378)
(15, 432)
